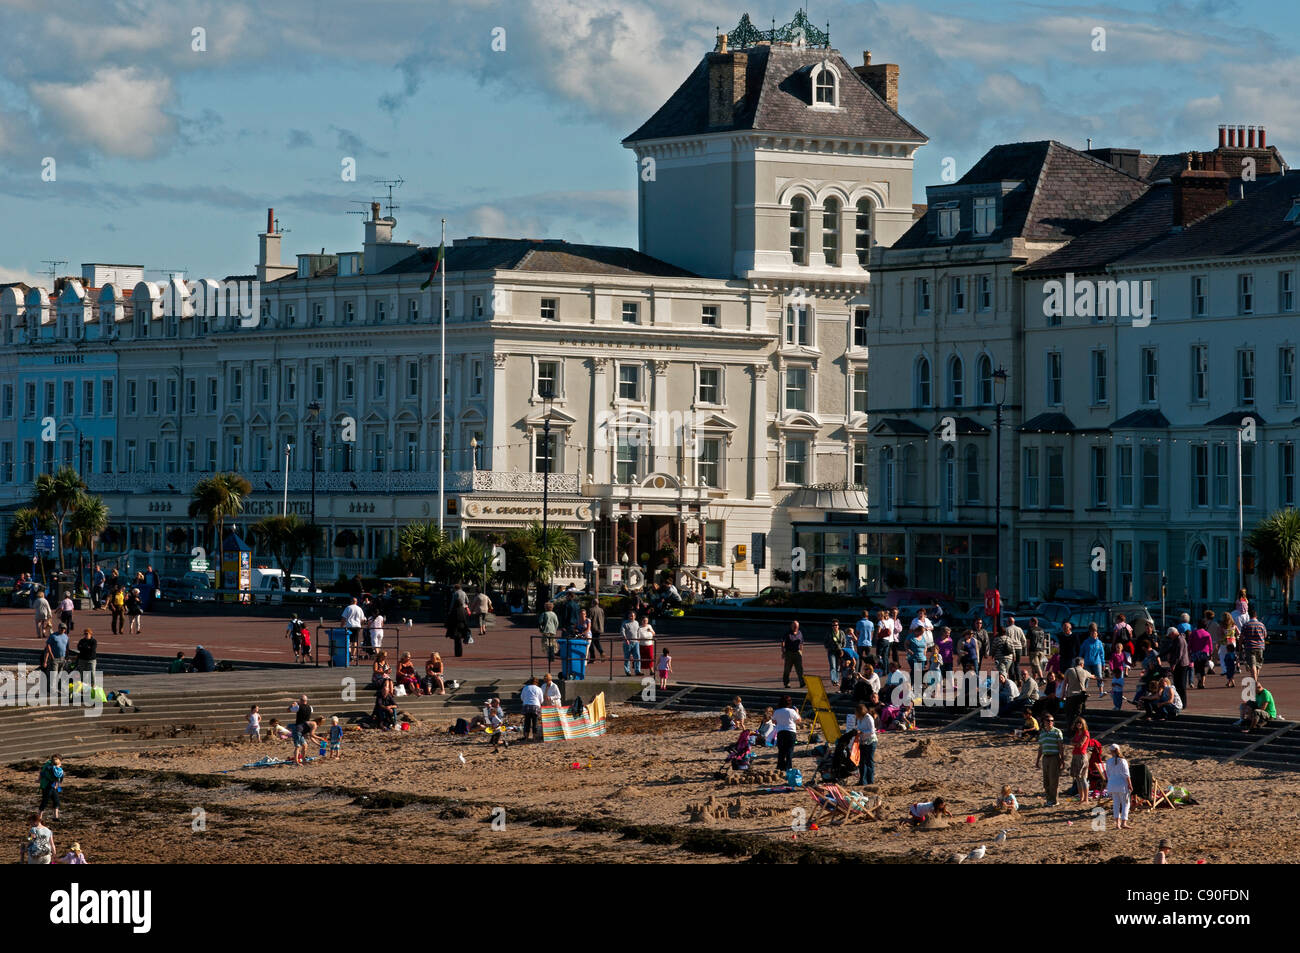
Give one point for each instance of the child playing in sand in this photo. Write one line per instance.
(665, 665)
(925, 810)
(767, 729)
(728, 719)
(73, 856)
(1007, 803)
(277, 731)
(738, 713)
(336, 739)
(308, 737)
(254, 729)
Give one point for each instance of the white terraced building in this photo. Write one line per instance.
(763, 183)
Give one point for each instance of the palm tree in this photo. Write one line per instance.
(543, 551)
(288, 538)
(89, 518)
(55, 494)
(1276, 542)
(463, 560)
(419, 546)
(216, 499)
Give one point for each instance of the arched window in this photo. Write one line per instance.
(887, 479)
(862, 231)
(831, 232)
(948, 483)
(972, 474)
(825, 92)
(984, 370)
(799, 230)
(956, 381)
(922, 392)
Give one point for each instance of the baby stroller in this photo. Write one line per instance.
(841, 761)
(739, 753)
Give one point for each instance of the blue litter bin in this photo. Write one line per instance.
(573, 658)
(340, 648)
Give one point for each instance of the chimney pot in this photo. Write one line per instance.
(374, 211)
(866, 57)
(270, 221)
(1250, 136)
(1223, 136)
(1262, 143)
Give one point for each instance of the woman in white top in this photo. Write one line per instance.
(786, 720)
(647, 639)
(864, 723)
(1119, 785)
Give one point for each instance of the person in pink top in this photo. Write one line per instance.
(1118, 662)
(1200, 645)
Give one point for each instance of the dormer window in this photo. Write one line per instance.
(825, 85)
(949, 220)
(985, 218)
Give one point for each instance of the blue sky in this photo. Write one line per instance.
(168, 157)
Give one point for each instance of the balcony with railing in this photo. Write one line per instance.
(389, 481)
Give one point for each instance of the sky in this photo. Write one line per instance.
(157, 132)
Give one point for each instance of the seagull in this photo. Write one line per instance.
(462, 758)
(956, 859)
(1001, 839)
(978, 853)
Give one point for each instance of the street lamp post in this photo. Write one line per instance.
(313, 410)
(284, 507)
(547, 393)
(999, 396)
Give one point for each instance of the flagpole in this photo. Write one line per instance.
(442, 380)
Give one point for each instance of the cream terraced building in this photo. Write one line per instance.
(706, 387)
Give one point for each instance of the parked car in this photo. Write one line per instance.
(187, 588)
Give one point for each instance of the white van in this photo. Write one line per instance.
(269, 583)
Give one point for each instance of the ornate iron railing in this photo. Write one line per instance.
(800, 32)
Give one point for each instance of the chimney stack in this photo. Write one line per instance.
(268, 257)
(882, 78)
(727, 80)
(1198, 193)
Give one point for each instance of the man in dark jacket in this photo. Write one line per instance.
(203, 660)
(596, 613)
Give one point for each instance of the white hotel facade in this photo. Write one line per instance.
(773, 171)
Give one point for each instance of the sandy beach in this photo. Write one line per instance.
(652, 790)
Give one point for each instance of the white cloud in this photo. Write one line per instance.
(8, 275)
(117, 111)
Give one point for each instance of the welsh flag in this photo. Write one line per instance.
(437, 265)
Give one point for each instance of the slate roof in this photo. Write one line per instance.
(1063, 193)
(1254, 225)
(525, 254)
(965, 427)
(899, 427)
(778, 91)
(1236, 419)
(1142, 222)
(1048, 423)
(1142, 420)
